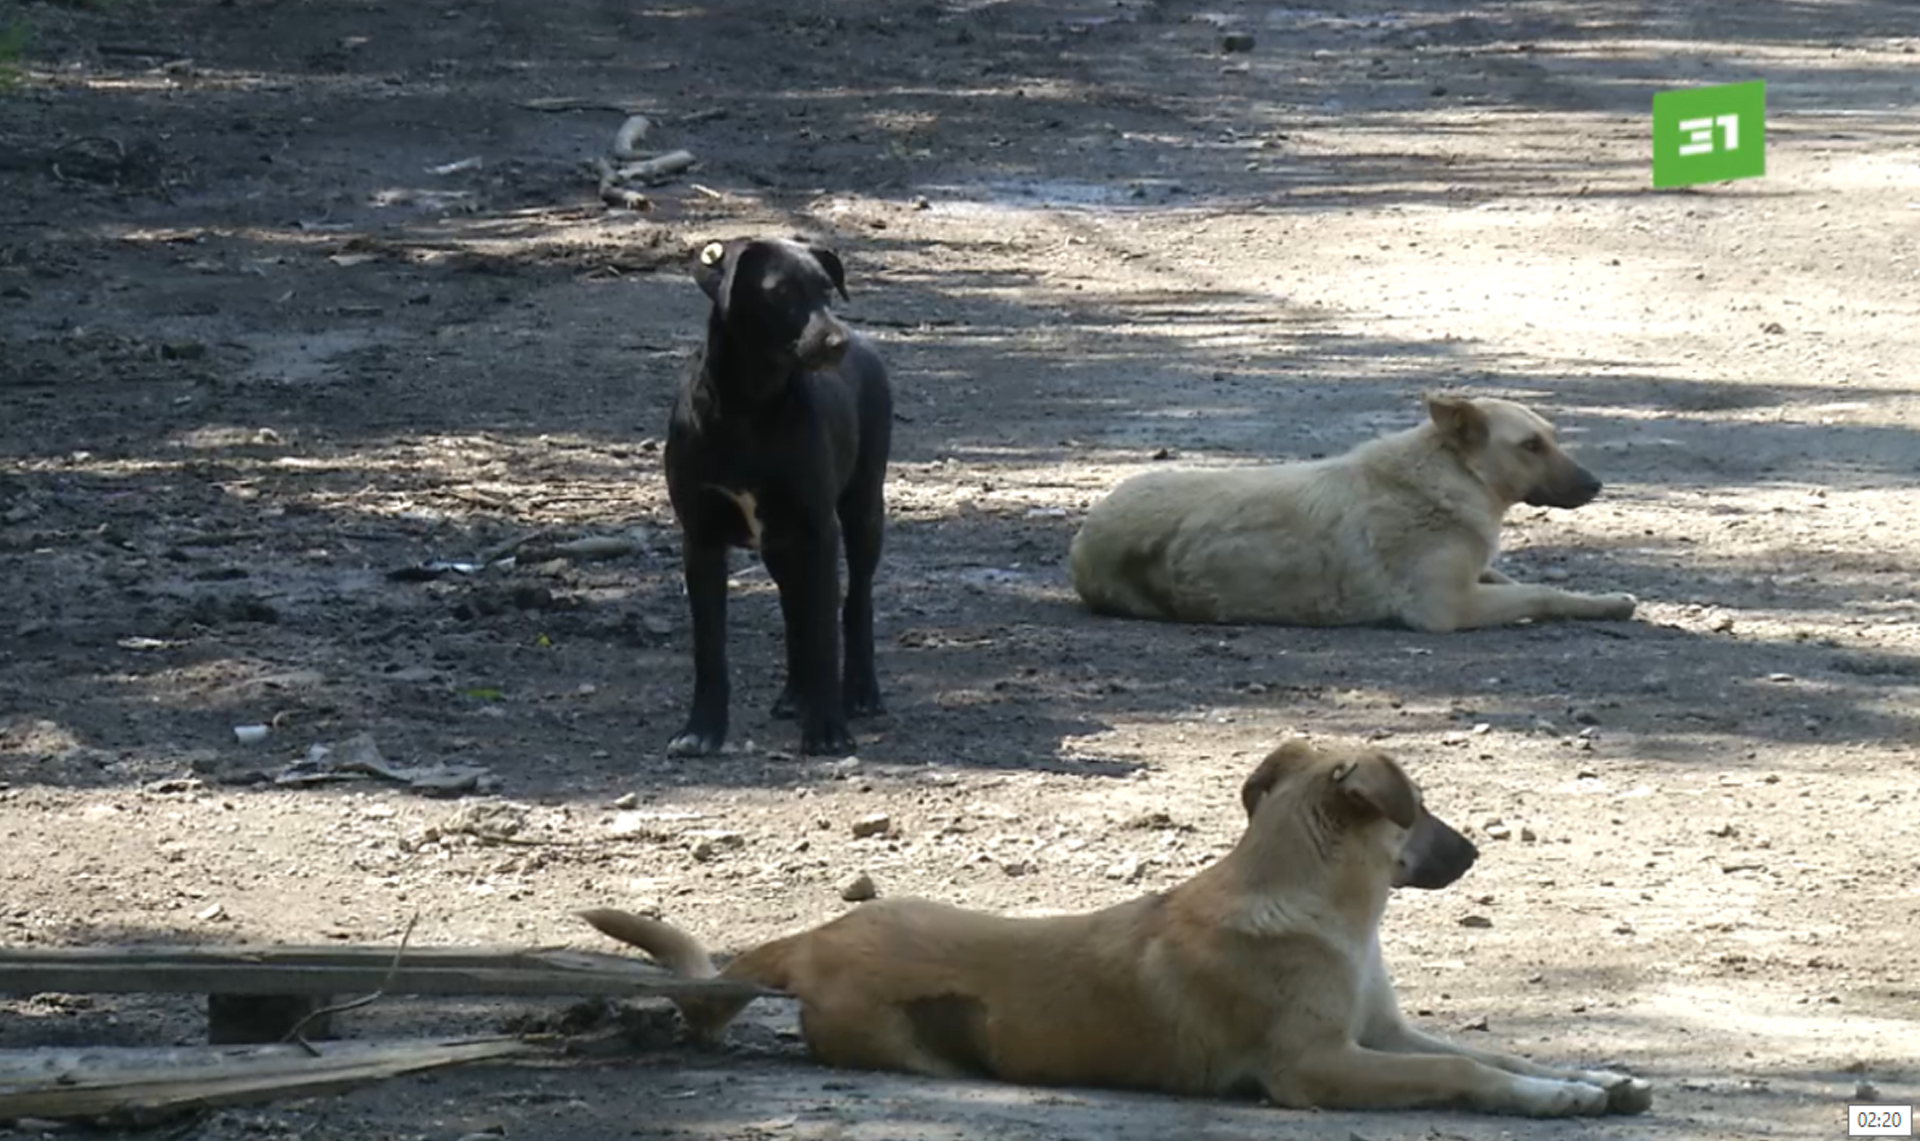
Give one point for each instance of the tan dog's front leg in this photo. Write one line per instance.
(1354, 1077)
(1625, 1094)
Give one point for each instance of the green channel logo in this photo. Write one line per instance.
(1709, 134)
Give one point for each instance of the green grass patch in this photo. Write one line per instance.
(14, 35)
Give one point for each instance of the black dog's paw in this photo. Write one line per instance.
(784, 707)
(863, 699)
(830, 740)
(696, 742)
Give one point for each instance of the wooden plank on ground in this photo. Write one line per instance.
(333, 970)
(144, 1085)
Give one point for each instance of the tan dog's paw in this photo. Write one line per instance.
(1551, 1097)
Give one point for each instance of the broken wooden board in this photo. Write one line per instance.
(331, 970)
(135, 1086)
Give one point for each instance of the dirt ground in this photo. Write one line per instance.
(265, 338)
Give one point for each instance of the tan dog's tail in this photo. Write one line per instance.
(669, 946)
(683, 954)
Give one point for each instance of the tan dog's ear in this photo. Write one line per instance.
(1460, 420)
(1376, 784)
(1261, 782)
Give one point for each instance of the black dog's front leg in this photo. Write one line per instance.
(808, 575)
(705, 568)
(863, 517)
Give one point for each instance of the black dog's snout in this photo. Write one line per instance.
(823, 342)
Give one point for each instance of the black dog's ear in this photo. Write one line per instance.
(710, 269)
(830, 262)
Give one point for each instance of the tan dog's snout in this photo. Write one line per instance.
(1434, 855)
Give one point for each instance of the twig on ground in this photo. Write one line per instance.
(393, 971)
(494, 554)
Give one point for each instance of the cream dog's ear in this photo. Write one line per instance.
(1460, 420)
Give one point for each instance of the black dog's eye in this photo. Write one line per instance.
(1534, 444)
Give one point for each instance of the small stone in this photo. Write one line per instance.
(1237, 42)
(859, 889)
(1126, 869)
(1586, 774)
(1477, 1023)
(182, 350)
(626, 800)
(656, 625)
(1586, 716)
(1722, 625)
(212, 912)
(1528, 836)
(876, 824)
(1498, 831)
(1482, 729)
(1454, 738)
(630, 824)
(1866, 1093)
(1555, 574)
(1017, 867)
(708, 846)
(1724, 831)
(1480, 921)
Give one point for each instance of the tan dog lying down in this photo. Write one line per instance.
(1400, 529)
(1262, 973)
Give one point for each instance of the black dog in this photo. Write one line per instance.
(779, 442)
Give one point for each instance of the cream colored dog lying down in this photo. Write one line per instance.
(1262, 973)
(1400, 529)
